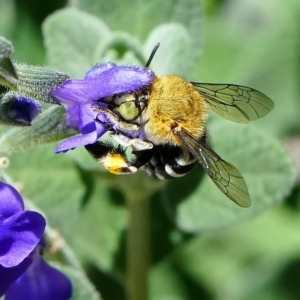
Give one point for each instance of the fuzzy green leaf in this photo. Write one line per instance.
(82, 288)
(52, 182)
(49, 126)
(237, 52)
(60, 188)
(252, 261)
(8, 18)
(100, 227)
(174, 52)
(72, 39)
(140, 18)
(171, 287)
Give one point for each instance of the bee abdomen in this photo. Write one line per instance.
(169, 163)
(177, 170)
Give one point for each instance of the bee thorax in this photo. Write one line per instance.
(173, 104)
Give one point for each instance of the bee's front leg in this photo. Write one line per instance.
(120, 127)
(126, 141)
(115, 121)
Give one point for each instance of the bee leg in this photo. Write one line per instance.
(112, 158)
(114, 120)
(143, 157)
(136, 143)
(120, 137)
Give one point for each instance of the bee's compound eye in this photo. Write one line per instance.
(128, 111)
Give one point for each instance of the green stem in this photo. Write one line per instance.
(138, 248)
(138, 190)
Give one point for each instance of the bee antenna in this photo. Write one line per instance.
(152, 55)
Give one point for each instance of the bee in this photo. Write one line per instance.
(165, 125)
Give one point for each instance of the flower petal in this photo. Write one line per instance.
(19, 235)
(100, 128)
(115, 80)
(80, 140)
(82, 116)
(10, 201)
(41, 281)
(72, 116)
(86, 118)
(98, 69)
(10, 275)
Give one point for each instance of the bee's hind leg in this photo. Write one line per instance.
(112, 158)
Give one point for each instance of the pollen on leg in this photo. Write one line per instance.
(117, 164)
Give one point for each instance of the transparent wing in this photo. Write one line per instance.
(234, 102)
(225, 176)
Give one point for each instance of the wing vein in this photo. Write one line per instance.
(225, 176)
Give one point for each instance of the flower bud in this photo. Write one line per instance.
(8, 75)
(37, 82)
(18, 110)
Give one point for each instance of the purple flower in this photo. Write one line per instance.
(16, 109)
(24, 109)
(79, 96)
(40, 281)
(20, 233)
(9, 275)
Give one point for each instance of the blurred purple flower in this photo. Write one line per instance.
(10, 275)
(20, 233)
(24, 109)
(16, 109)
(103, 80)
(40, 282)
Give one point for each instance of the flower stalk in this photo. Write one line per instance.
(138, 248)
(138, 251)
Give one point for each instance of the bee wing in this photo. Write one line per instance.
(225, 176)
(235, 102)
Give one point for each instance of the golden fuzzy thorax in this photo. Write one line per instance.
(173, 100)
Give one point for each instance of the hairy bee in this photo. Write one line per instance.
(165, 126)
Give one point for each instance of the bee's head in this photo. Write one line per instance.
(129, 106)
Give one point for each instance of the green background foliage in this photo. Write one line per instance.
(202, 245)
